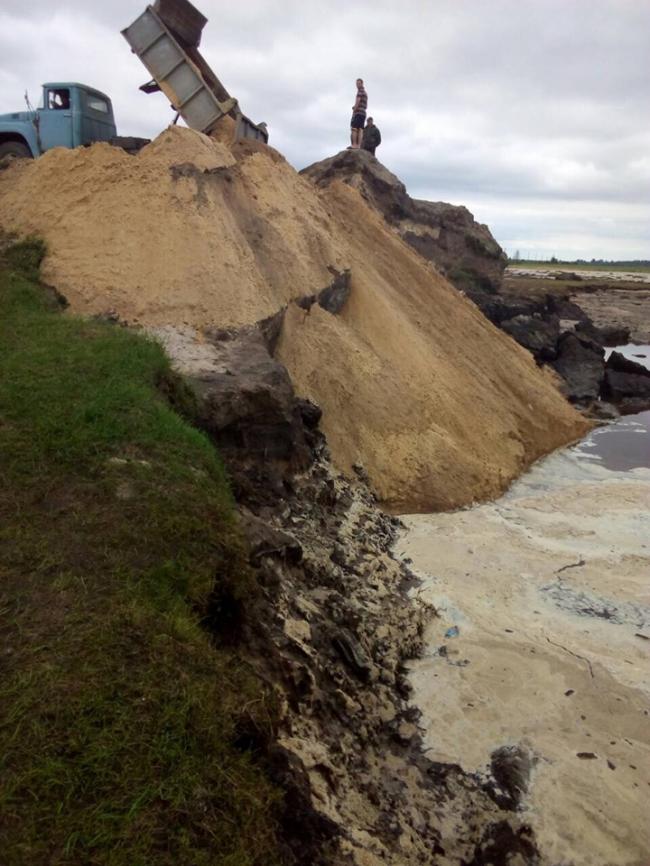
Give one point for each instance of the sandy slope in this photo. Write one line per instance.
(439, 406)
(549, 589)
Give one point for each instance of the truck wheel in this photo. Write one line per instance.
(15, 148)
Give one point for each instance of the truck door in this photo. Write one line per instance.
(97, 122)
(56, 118)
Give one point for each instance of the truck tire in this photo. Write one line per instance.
(15, 148)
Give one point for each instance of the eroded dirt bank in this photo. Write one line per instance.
(331, 634)
(546, 595)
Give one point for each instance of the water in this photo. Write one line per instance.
(632, 351)
(625, 443)
(620, 446)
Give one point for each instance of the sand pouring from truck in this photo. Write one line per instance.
(166, 38)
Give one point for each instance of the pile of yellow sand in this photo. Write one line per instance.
(414, 382)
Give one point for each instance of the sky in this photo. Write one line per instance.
(534, 114)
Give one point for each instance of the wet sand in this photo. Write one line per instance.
(549, 588)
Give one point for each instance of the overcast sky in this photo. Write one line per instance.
(535, 114)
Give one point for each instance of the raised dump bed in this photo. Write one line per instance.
(166, 37)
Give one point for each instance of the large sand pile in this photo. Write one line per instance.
(414, 382)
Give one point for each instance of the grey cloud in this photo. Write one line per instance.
(537, 106)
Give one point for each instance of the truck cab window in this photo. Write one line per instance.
(97, 104)
(58, 100)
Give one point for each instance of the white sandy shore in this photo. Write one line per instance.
(550, 589)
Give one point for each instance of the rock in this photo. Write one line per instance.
(538, 335)
(361, 472)
(511, 767)
(603, 411)
(505, 846)
(333, 297)
(568, 275)
(627, 384)
(310, 413)
(629, 390)
(618, 362)
(351, 651)
(444, 234)
(565, 308)
(581, 365)
(271, 328)
(609, 335)
(306, 830)
(499, 308)
(247, 404)
(266, 540)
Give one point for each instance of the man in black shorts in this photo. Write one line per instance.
(358, 115)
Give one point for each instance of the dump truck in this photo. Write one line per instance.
(69, 115)
(166, 38)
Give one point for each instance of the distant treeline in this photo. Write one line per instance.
(618, 263)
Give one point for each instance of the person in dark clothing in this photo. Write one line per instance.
(358, 115)
(371, 136)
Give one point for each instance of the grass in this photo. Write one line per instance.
(121, 716)
(626, 267)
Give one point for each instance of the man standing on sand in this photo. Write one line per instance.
(358, 115)
(371, 136)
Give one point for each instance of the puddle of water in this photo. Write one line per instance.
(620, 446)
(633, 352)
(625, 443)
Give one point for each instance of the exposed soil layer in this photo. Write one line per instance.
(332, 634)
(439, 406)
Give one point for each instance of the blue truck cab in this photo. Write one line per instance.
(69, 115)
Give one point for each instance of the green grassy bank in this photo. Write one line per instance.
(120, 716)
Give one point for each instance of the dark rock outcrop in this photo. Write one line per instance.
(612, 335)
(501, 308)
(333, 297)
(627, 384)
(445, 234)
(248, 405)
(582, 366)
(538, 335)
(618, 363)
